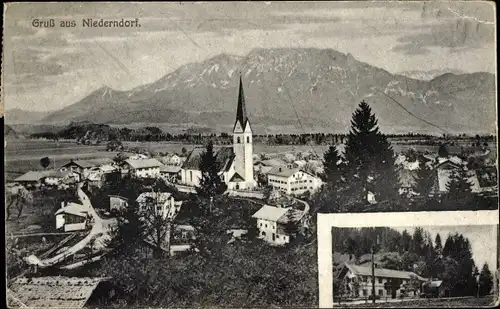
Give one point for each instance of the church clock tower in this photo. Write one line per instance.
(242, 144)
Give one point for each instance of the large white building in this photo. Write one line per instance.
(388, 282)
(293, 181)
(144, 168)
(271, 223)
(159, 203)
(235, 164)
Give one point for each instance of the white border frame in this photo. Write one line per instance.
(392, 219)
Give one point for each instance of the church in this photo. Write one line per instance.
(235, 164)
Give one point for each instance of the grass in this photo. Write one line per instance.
(470, 302)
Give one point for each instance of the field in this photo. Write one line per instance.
(24, 154)
(459, 302)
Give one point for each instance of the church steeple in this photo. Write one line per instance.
(241, 112)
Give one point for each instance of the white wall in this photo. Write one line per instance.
(148, 172)
(191, 177)
(267, 229)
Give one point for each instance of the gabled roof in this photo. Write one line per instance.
(382, 272)
(90, 162)
(74, 209)
(173, 169)
(32, 176)
(224, 159)
(271, 162)
(237, 178)
(270, 213)
(143, 163)
(283, 171)
(54, 292)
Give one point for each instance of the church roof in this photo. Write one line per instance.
(224, 159)
(237, 178)
(241, 111)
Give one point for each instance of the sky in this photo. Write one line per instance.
(483, 240)
(50, 68)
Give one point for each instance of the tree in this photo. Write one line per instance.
(418, 241)
(424, 179)
(438, 246)
(332, 171)
(369, 157)
(450, 274)
(458, 186)
(45, 162)
(211, 183)
(485, 280)
(184, 151)
(17, 198)
(443, 151)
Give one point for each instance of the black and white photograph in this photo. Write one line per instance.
(181, 154)
(413, 259)
(422, 265)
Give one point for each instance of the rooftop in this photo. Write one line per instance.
(74, 209)
(143, 163)
(382, 272)
(90, 162)
(53, 292)
(270, 213)
(283, 171)
(170, 169)
(224, 158)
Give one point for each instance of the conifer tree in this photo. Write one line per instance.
(331, 172)
(458, 186)
(424, 179)
(438, 246)
(211, 183)
(369, 155)
(485, 280)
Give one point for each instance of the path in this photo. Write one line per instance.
(98, 233)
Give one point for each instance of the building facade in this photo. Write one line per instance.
(144, 168)
(389, 283)
(293, 181)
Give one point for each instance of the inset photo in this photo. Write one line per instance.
(450, 264)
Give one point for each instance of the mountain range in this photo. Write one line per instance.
(303, 88)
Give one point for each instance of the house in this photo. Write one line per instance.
(487, 180)
(444, 170)
(272, 221)
(161, 203)
(72, 217)
(433, 289)
(117, 203)
(170, 173)
(56, 292)
(57, 177)
(173, 159)
(299, 163)
(388, 282)
(83, 167)
(144, 168)
(234, 164)
(138, 156)
(264, 166)
(293, 181)
(31, 179)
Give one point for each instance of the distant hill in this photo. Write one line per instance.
(301, 88)
(9, 133)
(19, 116)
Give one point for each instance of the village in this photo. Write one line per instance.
(269, 198)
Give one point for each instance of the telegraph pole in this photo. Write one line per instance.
(373, 277)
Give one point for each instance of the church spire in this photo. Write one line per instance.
(241, 112)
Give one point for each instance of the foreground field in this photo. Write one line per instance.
(470, 302)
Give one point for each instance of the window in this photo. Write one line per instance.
(365, 292)
(248, 139)
(266, 225)
(381, 292)
(365, 279)
(238, 140)
(190, 175)
(380, 280)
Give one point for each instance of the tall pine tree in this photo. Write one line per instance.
(211, 184)
(458, 186)
(332, 170)
(369, 157)
(424, 179)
